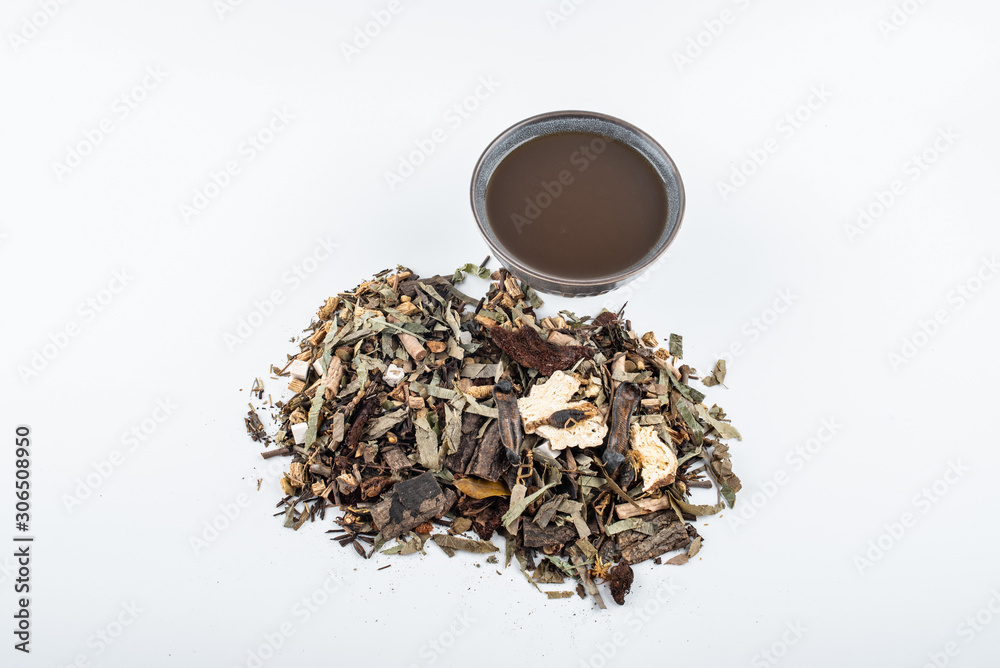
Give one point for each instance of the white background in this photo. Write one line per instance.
(856, 299)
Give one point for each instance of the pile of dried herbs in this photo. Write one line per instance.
(426, 414)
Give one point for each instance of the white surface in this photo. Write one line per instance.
(158, 349)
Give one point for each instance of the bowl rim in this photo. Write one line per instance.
(618, 278)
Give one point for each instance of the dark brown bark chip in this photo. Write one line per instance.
(621, 582)
(367, 411)
(525, 347)
(671, 534)
(411, 503)
(535, 536)
(488, 460)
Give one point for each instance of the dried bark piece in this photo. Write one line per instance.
(373, 487)
(395, 459)
(657, 461)
(606, 318)
(511, 433)
(411, 503)
(525, 347)
(458, 461)
(357, 430)
(331, 380)
(671, 534)
(561, 339)
(621, 582)
(552, 535)
(482, 458)
(486, 514)
(254, 426)
(488, 460)
(626, 398)
(626, 510)
(326, 311)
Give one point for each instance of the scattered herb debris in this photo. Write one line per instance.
(424, 414)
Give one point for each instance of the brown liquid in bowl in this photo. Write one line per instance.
(576, 205)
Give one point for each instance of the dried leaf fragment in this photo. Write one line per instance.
(465, 544)
(718, 375)
(481, 489)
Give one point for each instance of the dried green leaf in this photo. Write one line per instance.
(695, 547)
(637, 523)
(718, 375)
(677, 345)
(724, 429)
(432, 292)
(469, 268)
(382, 424)
(464, 544)
(313, 419)
(699, 510)
(587, 548)
(559, 594)
(697, 432)
(517, 507)
(427, 444)
(562, 565)
(686, 391)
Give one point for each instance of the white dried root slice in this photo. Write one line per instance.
(554, 395)
(657, 461)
